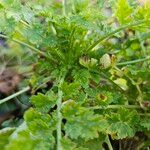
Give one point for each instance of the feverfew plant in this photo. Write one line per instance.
(98, 65)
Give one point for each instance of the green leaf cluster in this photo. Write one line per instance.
(98, 70)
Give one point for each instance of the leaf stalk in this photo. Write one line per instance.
(116, 107)
(114, 32)
(14, 95)
(133, 61)
(59, 115)
(29, 46)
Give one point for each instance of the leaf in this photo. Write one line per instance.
(34, 34)
(36, 120)
(123, 11)
(81, 5)
(4, 136)
(43, 102)
(92, 144)
(26, 141)
(1, 6)
(81, 122)
(95, 77)
(14, 9)
(145, 123)
(7, 25)
(122, 83)
(81, 115)
(71, 89)
(105, 61)
(36, 135)
(144, 13)
(129, 116)
(88, 63)
(123, 123)
(104, 98)
(80, 21)
(27, 13)
(120, 130)
(67, 144)
(82, 76)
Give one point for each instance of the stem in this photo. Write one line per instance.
(116, 107)
(25, 23)
(73, 6)
(143, 48)
(64, 7)
(141, 44)
(133, 61)
(53, 29)
(14, 95)
(120, 148)
(145, 114)
(114, 32)
(108, 143)
(23, 43)
(59, 115)
(29, 46)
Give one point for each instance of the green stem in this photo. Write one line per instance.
(29, 46)
(23, 43)
(14, 95)
(114, 32)
(108, 143)
(116, 107)
(141, 44)
(144, 114)
(64, 7)
(53, 29)
(24, 23)
(59, 115)
(133, 61)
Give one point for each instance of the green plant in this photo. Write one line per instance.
(100, 85)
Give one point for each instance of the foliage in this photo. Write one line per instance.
(98, 66)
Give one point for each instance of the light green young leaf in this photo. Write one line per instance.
(143, 13)
(122, 83)
(123, 11)
(4, 136)
(35, 132)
